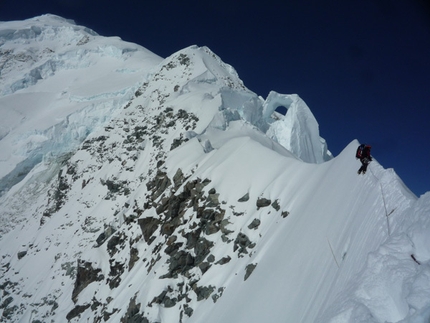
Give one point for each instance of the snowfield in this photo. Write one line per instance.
(141, 189)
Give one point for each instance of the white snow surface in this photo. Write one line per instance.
(89, 123)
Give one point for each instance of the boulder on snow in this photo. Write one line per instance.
(263, 202)
(244, 198)
(248, 270)
(254, 224)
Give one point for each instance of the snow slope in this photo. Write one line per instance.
(169, 192)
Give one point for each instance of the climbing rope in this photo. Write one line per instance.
(383, 200)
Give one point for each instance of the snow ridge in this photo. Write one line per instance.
(141, 189)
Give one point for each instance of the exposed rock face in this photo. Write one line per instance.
(86, 275)
(133, 314)
(148, 227)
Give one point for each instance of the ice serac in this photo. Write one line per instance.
(297, 130)
(59, 81)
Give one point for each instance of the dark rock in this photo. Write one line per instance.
(76, 311)
(182, 114)
(263, 202)
(207, 146)
(171, 240)
(188, 310)
(176, 205)
(148, 226)
(159, 164)
(192, 238)
(169, 302)
(21, 254)
(170, 250)
(159, 299)
(254, 224)
(248, 270)
(115, 243)
(178, 179)
(116, 270)
(223, 227)
(85, 275)
(212, 200)
(181, 262)
(204, 266)
(132, 315)
(244, 198)
(169, 227)
(210, 219)
(159, 184)
(104, 236)
(216, 296)
(95, 304)
(107, 315)
(202, 249)
(223, 260)
(6, 302)
(275, 205)
(203, 292)
(112, 186)
(134, 257)
(177, 142)
(285, 214)
(164, 299)
(241, 244)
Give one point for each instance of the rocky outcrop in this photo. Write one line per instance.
(86, 275)
(263, 202)
(133, 314)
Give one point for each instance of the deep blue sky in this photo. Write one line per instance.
(362, 66)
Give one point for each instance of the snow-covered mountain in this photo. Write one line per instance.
(142, 189)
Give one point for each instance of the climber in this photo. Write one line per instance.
(363, 153)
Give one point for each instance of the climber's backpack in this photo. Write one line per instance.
(361, 151)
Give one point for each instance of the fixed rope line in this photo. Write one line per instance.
(385, 204)
(334, 257)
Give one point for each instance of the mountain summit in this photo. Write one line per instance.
(142, 189)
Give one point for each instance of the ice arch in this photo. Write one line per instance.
(298, 130)
(281, 109)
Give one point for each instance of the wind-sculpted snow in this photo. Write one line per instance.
(165, 191)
